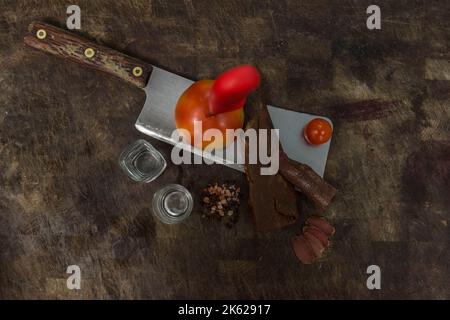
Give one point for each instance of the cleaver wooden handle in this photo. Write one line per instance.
(67, 45)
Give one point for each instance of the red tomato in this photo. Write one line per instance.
(218, 104)
(193, 106)
(318, 131)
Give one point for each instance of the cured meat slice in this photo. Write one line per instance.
(322, 224)
(302, 249)
(320, 235)
(315, 243)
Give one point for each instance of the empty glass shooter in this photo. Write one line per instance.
(172, 204)
(142, 162)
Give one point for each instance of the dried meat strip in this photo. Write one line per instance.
(307, 181)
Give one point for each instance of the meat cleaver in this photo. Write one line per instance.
(162, 88)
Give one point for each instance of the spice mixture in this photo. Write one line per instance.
(221, 202)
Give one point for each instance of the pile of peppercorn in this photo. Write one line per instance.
(221, 202)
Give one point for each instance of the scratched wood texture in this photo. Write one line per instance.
(64, 200)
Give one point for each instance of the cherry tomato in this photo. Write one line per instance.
(318, 131)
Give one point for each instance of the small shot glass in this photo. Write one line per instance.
(172, 204)
(142, 162)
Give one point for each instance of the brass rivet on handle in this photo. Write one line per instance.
(41, 34)
(137, 71)
(89, 52)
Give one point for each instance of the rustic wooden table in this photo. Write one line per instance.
(64, 199)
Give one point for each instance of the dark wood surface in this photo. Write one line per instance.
(64, 199)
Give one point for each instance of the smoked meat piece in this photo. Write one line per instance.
(307, 181)
(272, 199)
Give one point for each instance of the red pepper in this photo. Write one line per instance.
(231, 88)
